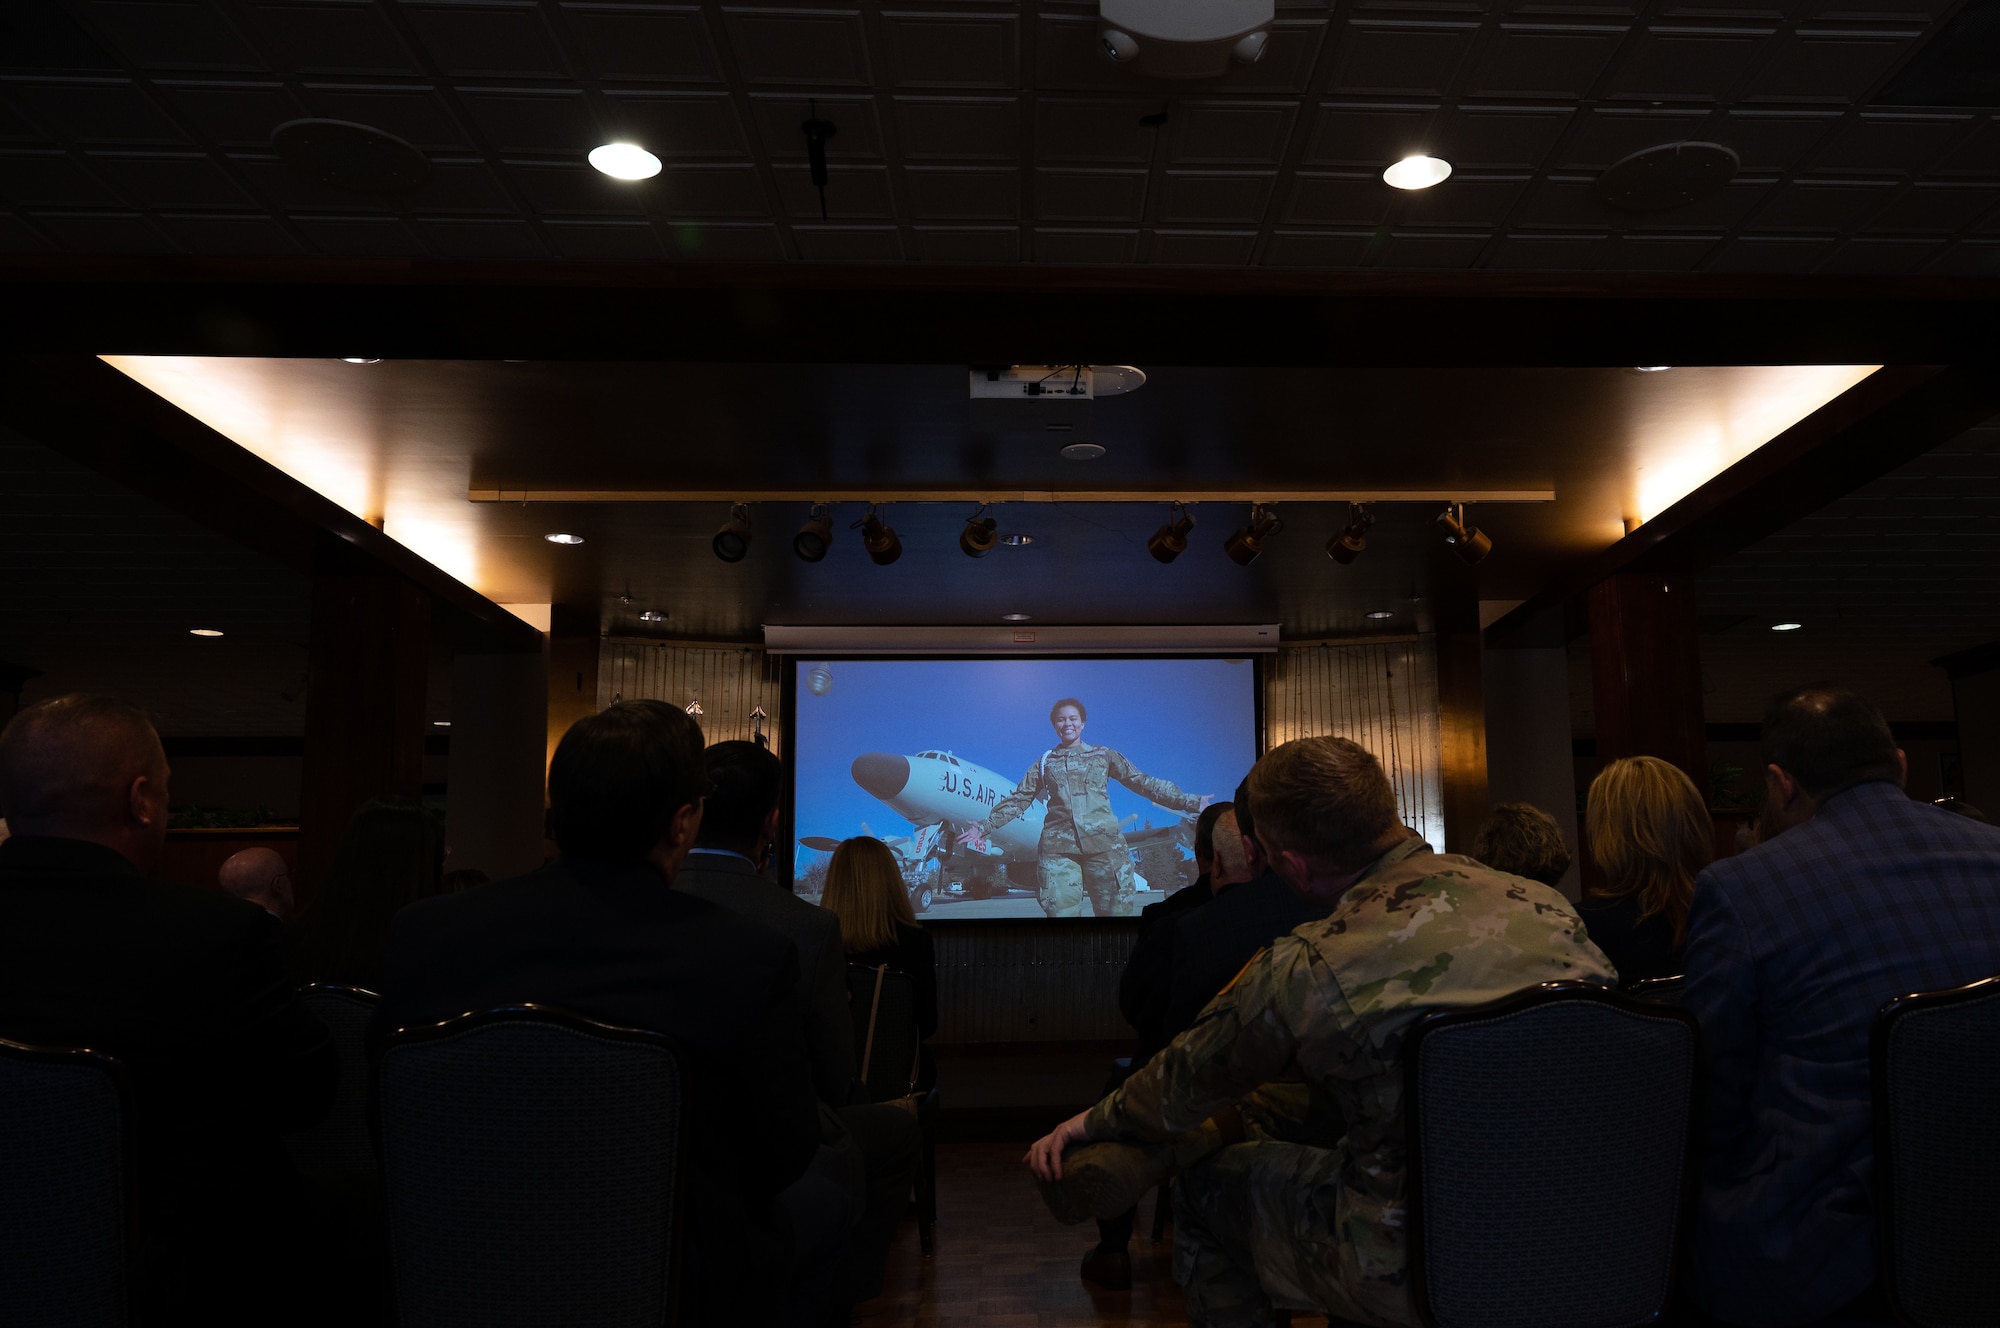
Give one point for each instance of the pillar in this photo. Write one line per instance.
(1528, 746)
(494, 799)
(1461, 699)
(1645, 665)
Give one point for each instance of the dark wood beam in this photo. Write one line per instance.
(860, 313)
(1887, 420)
(87, 410)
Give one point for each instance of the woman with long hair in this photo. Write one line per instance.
(1650, 834)
(392, 855)
(865, 890)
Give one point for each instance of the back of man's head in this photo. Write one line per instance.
(1204, 835)
(618, 777)
(747, 780)
(67, 766)
(1232, 864)
(1826, 738)
(258, 875)
(1521, 839)
(1325, 799)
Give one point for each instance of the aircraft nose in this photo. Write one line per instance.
(881, 774)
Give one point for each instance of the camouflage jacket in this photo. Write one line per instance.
(1075, 782)
(1329, 1004)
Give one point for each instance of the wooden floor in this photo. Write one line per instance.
(1003, 1262)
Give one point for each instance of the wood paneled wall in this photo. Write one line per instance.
(1032, 981)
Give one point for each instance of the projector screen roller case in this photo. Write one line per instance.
(1019, 788)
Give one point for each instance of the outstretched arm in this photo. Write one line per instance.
(1007, 809)
(1164, 792)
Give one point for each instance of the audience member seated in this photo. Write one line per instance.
(1650, 833)
(188, 988)
(1961, 807)
(1856, 894)
(1521, 839)
(258, 876)
(1319, 1220)
(390, 857)
(599, 932)
(865, 891)
(464, 878)
(867, 1160)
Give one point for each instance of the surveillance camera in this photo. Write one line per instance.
(1119, 47)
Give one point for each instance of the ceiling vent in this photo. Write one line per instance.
(1669, 176)
(1184, 38)
(351, 156)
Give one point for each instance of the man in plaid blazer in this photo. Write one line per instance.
(1857, 894)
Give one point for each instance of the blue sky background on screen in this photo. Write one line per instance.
(1193, 721)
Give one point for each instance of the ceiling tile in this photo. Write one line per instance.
(1090, 195)
(1803, 206)
(171, 180)
(491, 39)
(683, 125)
(1606, 135)
(412, 112)
(360, 237)
(570, 187)
(1938, 208)
(230, 236)
(1771, 254)
(1498, 138)
(1565, 203)
(950, 194)
(710, 191)
(1718, 211)
(822, 47)
(1107, 131)
(1425, 250)
(1976, 153)
(1081, 246)
(651, 43)
(621, 240)
(1547, 253)
(959, 128)
(1318, 248)
(519, 120)
(1342, 200)
(1348, 134)
(851, 192)
(1202, 248)
(1768, 141)
(824, 244)
(1909, 12)
(17, 236)
(1231, 133)
(103, 233)
(1069, 57)
(232, 115)
(51, 179)
(1980, 258)
(1877, 142)
(1378, 57)
(952, 49)
(282, 187)
(1462, 201)
(1817, 65)
(1686, 63)
(968, 244)
(334, 38)
(466, 237)
(1883, 257)
(1542, 60)
(170, 34)
(1291, 50)
(1655, 253)
(458, 186)
(1206, 198)
(708, 242)
(95, 111)
(857, 129)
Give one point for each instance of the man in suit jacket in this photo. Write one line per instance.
(189, 989)
(1855, 895)
(868, 1152)
(600, 933)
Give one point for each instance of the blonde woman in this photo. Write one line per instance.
(865, 890)
(1650, 834)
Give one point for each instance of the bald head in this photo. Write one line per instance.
(1232, 864)
(261, 877)
(86, 767)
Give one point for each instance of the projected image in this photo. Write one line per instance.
(1019, 788)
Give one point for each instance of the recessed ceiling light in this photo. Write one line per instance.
(1014, 617)
(1082, 452)
(440, 723)
(625, 161)
(559, 538)
(359, 359)
(1651, 368)
(652, 615)
(203, 631)
(1417, 172)
(1786, 627)
(1014, 539)
(1379, 614)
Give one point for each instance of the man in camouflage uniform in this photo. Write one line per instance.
(1321, 1224)
(1082, 847)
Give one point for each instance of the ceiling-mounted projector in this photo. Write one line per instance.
(1184, 38)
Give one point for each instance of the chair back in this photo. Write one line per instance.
(534, 1163)
(884, 1005)
(66, 1195)
(1667, 989)
(340, 1146)
(1549, 1158)
(1936, 1072)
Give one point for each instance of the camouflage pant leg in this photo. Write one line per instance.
(1062, 886)
(1293, 1113)
(1107, 876)
(1254, 1228)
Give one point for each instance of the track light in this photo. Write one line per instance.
(981, 533)
(1244, 546)
(1467, 541)
(1352, 540)
(732, 542)
(815, 536)
(1170, 541)
(876, 537)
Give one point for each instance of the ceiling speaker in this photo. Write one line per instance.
(1669, 176)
